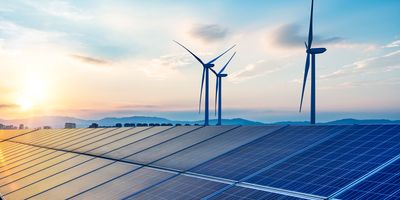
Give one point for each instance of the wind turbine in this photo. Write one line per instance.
(205, 77)
(218, 89)
(311, 51)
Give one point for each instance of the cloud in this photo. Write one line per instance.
(209, 32)
(8, 106)
(91, 60)
(260, 68)
(59, 8)
(385, 63)
(393, 44)
(290, 36)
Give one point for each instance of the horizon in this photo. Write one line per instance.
(98, 59)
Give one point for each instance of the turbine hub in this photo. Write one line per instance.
(209, 65)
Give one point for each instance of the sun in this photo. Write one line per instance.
(32, 92)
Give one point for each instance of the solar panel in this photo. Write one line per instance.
(24, 187)
(126, 185)
(179, 143)
(264, 151)
(7, 134)
(8, 177)
(180, 188)
(223, 143)
(78, 185)
(331, 165)
(385, 184)
(120, 150)
(143, 132)
(251, 194)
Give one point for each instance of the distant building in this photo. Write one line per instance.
(94, 125)
(70, 125)
(46, 127)
(21, 126)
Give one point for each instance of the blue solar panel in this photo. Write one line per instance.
(385, 184)
(180, 187)
(126, 185)
(223, 143)
(262, 152)
(331, 165)
(242, 193)
(177, 144)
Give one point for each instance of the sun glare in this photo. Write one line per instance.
(32, 92)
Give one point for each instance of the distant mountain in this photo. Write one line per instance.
(364, 121)
(59, 121)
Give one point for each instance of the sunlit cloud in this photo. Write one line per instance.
(258, 69)
(91, 60)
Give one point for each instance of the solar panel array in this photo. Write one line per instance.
(196, 162)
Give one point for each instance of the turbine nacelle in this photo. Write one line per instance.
(209, 65)
(222, 75)
(316, 50)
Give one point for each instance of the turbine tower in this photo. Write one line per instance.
(310, 51)
(205, 78)
(218, 89)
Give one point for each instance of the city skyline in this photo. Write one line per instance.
(95, 59)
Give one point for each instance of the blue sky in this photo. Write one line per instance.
(116, 58)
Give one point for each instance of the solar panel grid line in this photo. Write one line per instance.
(331, 185)
(28, 165)
(240, 138)
(19, 135)
(13, 151)
(361, 179)
(22, 153)
(133, 142)
(40, 137)
(274, 190)
(77, 177)
(265, 151)
(344, 175)
(28, 158)
(66, 142)
(63, 138)
(96, 138)
(201, 141)
(138, 179)
(51, 175)
(273, 164)
(71, 173)
(119, 139)
(159, 143)
(65, 151)
(149, 164)
(292, 155)
(37, 135)
(26, 172)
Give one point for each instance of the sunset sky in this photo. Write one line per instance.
(98, 58)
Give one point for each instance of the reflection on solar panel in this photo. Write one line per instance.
(194, 162)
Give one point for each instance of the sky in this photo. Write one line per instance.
(98, 58)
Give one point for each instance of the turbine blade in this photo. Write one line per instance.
(216, 96)
(197, 58)
(226, 64)
(310, 32)
(307, 67)
(213, 60)
(201, 89)
(213, 71)
(305, 44)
